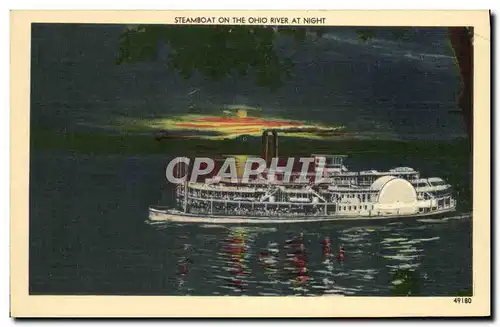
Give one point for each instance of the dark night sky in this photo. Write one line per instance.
(385, 87)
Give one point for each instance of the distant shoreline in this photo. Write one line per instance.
(106, 143)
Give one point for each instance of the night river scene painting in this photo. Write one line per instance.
(347, 149)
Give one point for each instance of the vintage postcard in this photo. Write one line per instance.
(250, 164)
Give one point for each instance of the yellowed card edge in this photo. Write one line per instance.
(24, 305)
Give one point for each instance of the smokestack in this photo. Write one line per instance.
(270, 149)
(275, 145)
(269, 146)
(265, 145)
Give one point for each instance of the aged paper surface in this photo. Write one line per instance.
(50, 297)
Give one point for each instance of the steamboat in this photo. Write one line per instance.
(341, 194)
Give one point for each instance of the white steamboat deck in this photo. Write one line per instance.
(342, 195)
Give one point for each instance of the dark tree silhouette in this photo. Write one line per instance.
(214, 51)
(462, 42)
(219, 51)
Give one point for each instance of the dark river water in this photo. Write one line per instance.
(89, 235)
(88, 213)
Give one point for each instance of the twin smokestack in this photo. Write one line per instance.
(269, 145)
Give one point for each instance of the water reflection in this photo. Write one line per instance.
(298, 271)
(235, 252)
(184, 261)
(339, 260)
(269, 259)
(297, 262)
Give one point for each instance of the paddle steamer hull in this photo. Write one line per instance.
(172, 215)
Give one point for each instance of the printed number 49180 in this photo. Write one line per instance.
(466, 300)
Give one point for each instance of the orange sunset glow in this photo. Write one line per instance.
(236, 123)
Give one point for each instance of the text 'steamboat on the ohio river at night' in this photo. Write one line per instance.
(341, 195)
